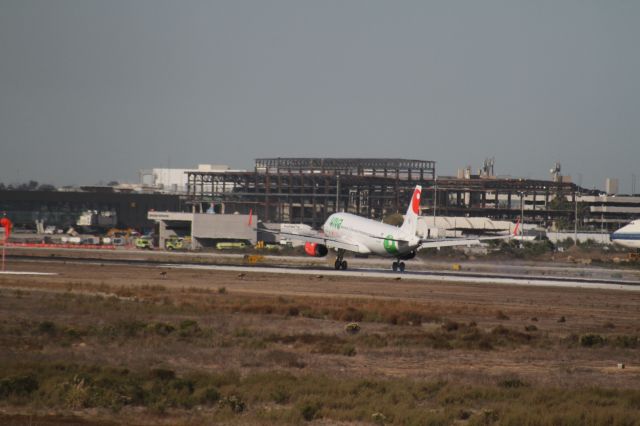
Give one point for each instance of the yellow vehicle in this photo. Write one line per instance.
(177, 243)
(144, 243)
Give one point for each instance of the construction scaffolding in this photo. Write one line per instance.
(308, 190)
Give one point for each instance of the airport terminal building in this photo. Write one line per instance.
(308, 190)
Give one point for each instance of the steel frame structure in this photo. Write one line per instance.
(308, 190)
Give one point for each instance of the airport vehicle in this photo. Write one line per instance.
(628, 236)
(177, 243)
(347, 232)
(144, 242)
(230, 245)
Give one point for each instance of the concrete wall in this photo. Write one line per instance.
(229, 226)
(603, 238)
(203, 227)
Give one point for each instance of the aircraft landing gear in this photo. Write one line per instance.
(398, 266)
(340, 262)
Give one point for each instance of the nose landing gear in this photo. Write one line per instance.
(340, 262)
(398, 266)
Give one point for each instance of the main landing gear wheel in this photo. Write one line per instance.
(397, 266)
(340, 262)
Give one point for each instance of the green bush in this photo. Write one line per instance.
(624, 341)
(17, 386)
(208, 396)
(189, 328)
(511, 383)
(234, 403)
(281, 395)
(163, 374)
(47, 327)
(352, 328)
(162, 329)
(589, 340)
(309, 410)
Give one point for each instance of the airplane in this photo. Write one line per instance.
(628, 236)
(348, 232)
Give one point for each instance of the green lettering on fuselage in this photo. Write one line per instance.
(336, 222)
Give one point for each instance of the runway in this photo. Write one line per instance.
(479, 273)
(26, 273)
(427, 276)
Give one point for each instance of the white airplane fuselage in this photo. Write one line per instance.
(628, 236)
(370, 236)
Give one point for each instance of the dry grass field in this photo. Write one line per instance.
(105, 344)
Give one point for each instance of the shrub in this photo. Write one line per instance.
(378, 418)
(281, 396)
(530, 328)
(625, 341)
(162, 329)
(589, 340)
(511, 383)
(234, 403)
(189, 328)
(209, 395)
(126, 328)
(352, 328)
(222, 290)
(17, 386)
(163, 374)
(47, 327)
(309, 410)
(450, 326)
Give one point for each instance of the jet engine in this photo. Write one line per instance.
(409, 255)
(315, 249)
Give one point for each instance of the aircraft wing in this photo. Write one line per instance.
(320, 238)
(452, 242)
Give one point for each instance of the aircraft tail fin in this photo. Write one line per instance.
(410, 224)
(515, 231)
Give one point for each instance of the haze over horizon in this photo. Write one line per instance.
(93, 91)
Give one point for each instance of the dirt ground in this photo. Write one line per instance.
(584, 311)
(261, 322)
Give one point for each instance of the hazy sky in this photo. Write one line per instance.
(95, 90)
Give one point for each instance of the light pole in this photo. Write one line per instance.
(435, 198)
(575, 219)
(337, 192)
(522, 194)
